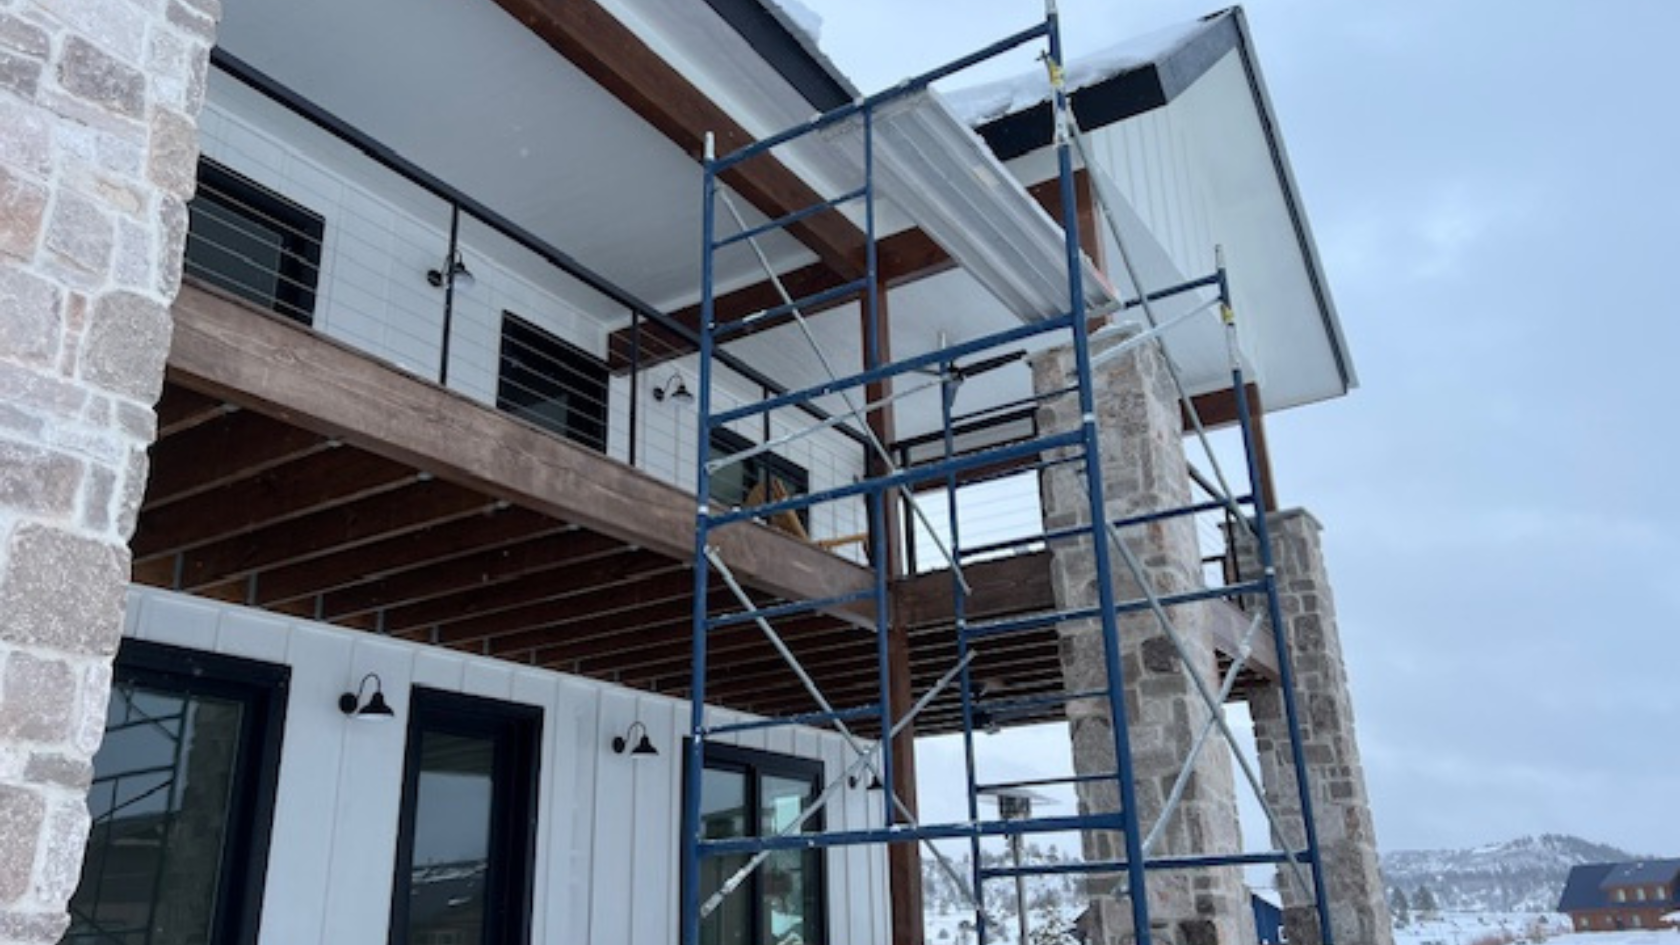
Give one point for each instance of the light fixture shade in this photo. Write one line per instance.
(376, 710)
(674, 388)
(464, 278)
(643, 745)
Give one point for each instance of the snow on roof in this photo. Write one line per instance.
(806, 23)
(980, 104)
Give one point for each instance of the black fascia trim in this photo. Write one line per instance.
(1121, 96)
(783, 52)
(278, 92)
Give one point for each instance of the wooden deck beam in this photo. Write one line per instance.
(225, 349)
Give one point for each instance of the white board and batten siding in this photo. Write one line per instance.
(608, 847)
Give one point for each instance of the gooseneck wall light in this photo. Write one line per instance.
(375, 709)
(629, 742)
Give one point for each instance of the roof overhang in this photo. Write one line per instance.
(1198, 89)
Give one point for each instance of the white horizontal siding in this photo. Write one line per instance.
(608, 848)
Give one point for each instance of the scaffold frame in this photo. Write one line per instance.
(884, 480)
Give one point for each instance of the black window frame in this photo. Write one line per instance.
(757, 764)
(521, 385)
(726, 442)
(517, 729)
(302, 231)
(263, 689)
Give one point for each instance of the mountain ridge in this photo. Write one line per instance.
(1522, 875)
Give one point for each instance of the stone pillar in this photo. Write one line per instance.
(1144, 469)
(98, 153)
(1341, 809)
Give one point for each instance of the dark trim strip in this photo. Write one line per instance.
(1124, 95)
(765, 32)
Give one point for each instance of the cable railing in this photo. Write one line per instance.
(402, 266)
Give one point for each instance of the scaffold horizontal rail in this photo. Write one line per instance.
(1057, 781)
(782, 222)
(844, 290)
(808, 718)
(902, 478)
(1140, 604)
(903, 833)
(1212, 505)
(1013, 625)
(1210, 281)
(1159, 864)
(907, 365)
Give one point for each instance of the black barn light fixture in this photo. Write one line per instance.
(375, 709)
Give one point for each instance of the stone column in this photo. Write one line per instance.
(1144, 469)
(98, 153)
(1341, 809)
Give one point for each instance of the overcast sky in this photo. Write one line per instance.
(1493, 188)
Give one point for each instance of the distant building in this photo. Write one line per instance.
(1268, 920)
(1635, 895)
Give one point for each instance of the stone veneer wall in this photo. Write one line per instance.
(1341, 808)
(98, 156)
(1144, 469)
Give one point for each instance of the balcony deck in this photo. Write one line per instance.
(295, 474)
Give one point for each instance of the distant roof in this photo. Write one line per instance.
(1581, 890)
(1642, 872)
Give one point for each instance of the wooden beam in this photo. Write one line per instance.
(1014, 585)
(227, 349)
(616, 59)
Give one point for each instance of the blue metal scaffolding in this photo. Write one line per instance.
(1069, 327)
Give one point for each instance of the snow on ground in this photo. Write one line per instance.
(1499, 928)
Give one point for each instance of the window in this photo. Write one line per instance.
(248, 240)
(1620, 895)
(750, 793)
(1639, 893)
(182, 799)
(731, 485)
(552, 384)
(1635, 920)
(466, 841)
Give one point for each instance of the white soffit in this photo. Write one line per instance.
(472, 96)
(1205, 170)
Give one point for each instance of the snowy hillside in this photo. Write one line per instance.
(1524, 875)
